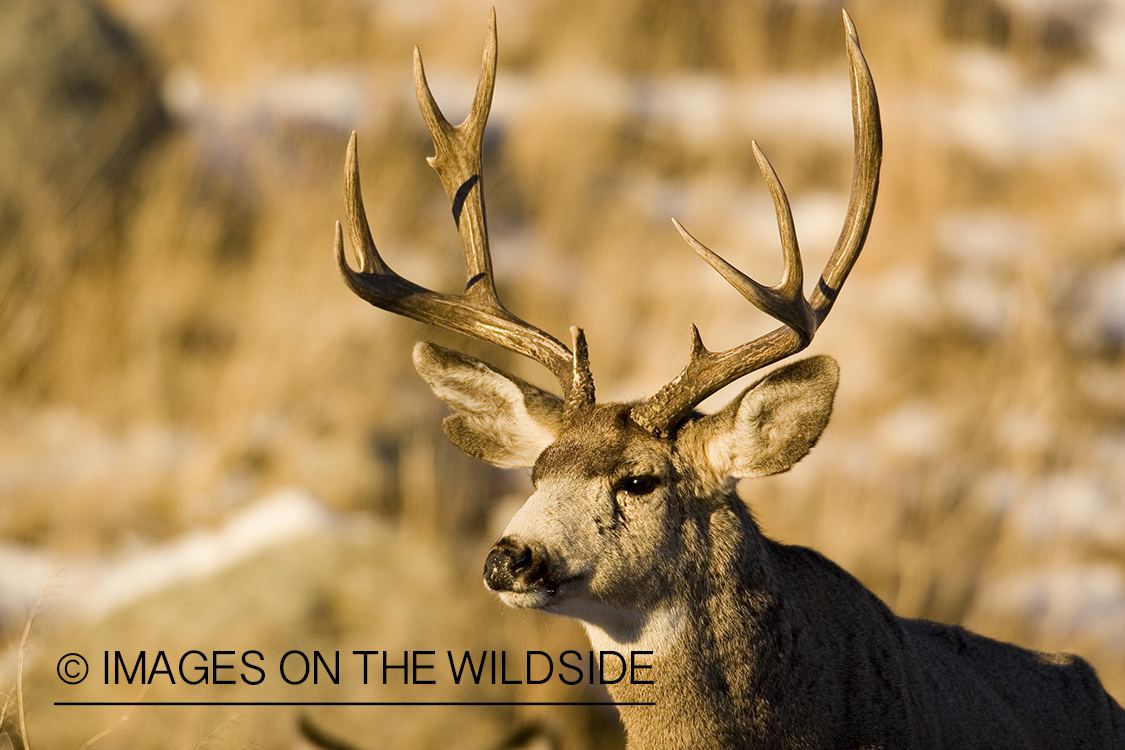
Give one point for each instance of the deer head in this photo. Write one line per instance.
(622, 489)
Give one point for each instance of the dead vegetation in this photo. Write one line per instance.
(174, 341)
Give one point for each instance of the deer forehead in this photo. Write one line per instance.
(601, 442)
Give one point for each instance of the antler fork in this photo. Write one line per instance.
(707, 371)
(477, 311)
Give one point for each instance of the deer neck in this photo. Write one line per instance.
(713, 643)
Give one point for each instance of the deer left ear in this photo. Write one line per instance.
(774, 423)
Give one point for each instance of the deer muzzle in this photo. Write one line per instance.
(515, 567)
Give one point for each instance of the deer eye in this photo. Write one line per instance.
(639, 485)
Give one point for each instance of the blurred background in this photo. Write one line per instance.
(206, 441)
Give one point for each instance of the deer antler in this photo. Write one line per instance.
(707, 371)
(477, 311)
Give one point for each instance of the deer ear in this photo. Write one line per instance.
(496, 416)
(774, 423)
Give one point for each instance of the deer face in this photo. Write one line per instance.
(600, 538)
(602, 512)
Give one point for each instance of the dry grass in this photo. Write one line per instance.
(174, 341)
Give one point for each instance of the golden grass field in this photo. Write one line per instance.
(176, 345)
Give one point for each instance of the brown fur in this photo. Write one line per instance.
(756, 643)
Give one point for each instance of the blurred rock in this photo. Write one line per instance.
(80, 106)
(81, 102)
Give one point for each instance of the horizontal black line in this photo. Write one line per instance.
(354, 703)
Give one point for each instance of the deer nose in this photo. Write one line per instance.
(512, 565)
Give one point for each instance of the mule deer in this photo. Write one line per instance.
(635, 527)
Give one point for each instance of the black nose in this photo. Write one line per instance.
(513, 566)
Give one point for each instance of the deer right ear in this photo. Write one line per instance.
(497, 417)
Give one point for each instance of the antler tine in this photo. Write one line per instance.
(362, 242)
(706, 371)
(477, 311)
(868, 136)
(457, 160)
(785, 301)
